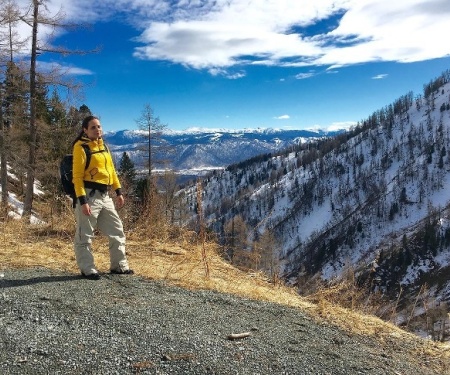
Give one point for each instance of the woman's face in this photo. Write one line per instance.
(94, 129)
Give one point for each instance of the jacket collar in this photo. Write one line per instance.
(99, 142)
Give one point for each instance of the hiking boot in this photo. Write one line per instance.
(91, 276)
(124, 272)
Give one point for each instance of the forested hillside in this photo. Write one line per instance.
(373, 200)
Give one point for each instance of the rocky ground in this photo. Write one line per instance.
(58, 323)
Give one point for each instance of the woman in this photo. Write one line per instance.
(94, 207)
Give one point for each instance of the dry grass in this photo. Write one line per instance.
(180, 262)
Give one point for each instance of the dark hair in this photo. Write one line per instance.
(84, 125)
(87, 120)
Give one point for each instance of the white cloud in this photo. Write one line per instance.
(305, 75)
(384, 30)
(236, 75)
(341, 125)
(335, 126)
(225, 73)
(221, 34)
(283, 117)
(63, 70)
(380, 76)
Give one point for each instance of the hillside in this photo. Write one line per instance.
(373, 201)
(164, 320)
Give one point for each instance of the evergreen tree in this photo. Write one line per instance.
(11, 46)
(15, 120)
(127, 170)
(75, 117)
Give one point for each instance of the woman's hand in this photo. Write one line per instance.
(86, 209)
(120, 201)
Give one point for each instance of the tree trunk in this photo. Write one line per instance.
(3, 165)
(31, 167)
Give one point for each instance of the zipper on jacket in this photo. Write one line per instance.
(106, 168)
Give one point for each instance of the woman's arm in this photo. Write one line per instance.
(79, 162)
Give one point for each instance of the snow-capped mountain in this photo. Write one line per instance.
(374, 199)
(196, 150)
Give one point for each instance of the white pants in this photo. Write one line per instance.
(104, 217)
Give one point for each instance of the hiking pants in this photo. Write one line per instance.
(104, 217)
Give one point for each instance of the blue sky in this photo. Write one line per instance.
(237, 64)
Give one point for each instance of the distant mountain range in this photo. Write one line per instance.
(196, 151)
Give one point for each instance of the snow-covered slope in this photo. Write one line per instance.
(376, 195)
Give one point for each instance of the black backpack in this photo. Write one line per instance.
(66, 173)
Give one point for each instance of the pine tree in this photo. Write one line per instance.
(127, 170)
(35, 18)
(15, 116)
(10, 45)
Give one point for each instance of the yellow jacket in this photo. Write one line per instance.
(101, 171)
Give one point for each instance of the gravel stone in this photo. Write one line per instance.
(53, 322)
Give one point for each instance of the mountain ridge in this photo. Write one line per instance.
(208, 148)
(374, 198)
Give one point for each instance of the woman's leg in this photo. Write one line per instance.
(83, 241)
(111, 226)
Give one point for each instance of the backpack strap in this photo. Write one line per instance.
(88, 152)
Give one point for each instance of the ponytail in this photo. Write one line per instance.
(78, 138)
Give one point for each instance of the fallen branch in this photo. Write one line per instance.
(236, 336)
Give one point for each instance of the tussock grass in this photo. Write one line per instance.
(179, 260)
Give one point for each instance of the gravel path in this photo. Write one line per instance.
(58, 323)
